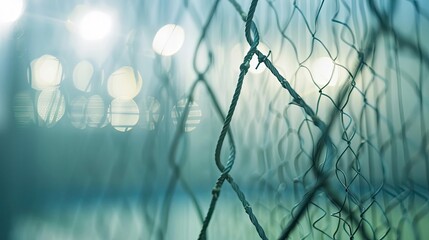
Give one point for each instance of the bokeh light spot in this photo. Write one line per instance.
(168, 40)
(123, 83)
(51, 106)
(124, 114)
(95, 25)
(10, 10)
(45, 72)
(324, 72)
(82, 75)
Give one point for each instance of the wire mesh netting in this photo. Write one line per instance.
(275, 120)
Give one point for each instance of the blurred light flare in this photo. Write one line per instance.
(95, 25)
(123, 83)
(123, 114)
(10, 10)
(51, 106)
(324, 72)
(45, 72)
(82, 75)
(168, 40)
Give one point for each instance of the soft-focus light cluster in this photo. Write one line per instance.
(45, 76)
(95, 25)
(123, 85)
(91, 24)
(47, 104)
(87, 107)
(86, 111)
(10, 10)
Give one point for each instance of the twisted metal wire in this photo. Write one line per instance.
(338, 164)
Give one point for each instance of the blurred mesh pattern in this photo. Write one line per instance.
(329, 141)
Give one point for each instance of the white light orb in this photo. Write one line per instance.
(324, 72)
(10, 10)
(46, 72)
(240, 50)
(82, 75)
(124, 114)
(124, 84)
(51, 106)
(96, 114)
(168, 40)
(95, 25)
(194, 115)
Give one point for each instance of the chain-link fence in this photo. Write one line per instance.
(275, 120)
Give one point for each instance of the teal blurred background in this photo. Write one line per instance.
(76, 163)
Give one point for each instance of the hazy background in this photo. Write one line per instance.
(73, 177)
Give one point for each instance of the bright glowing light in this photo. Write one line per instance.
(168, 40)
(240, 51)
(324, 72)
(51, 106)
(194, 116)
(82, 75)
(96, 112)
(46, 72)
(95, 25)
(10, 10)
(123, 83)
(124, 114)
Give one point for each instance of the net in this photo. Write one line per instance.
(275, 120)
